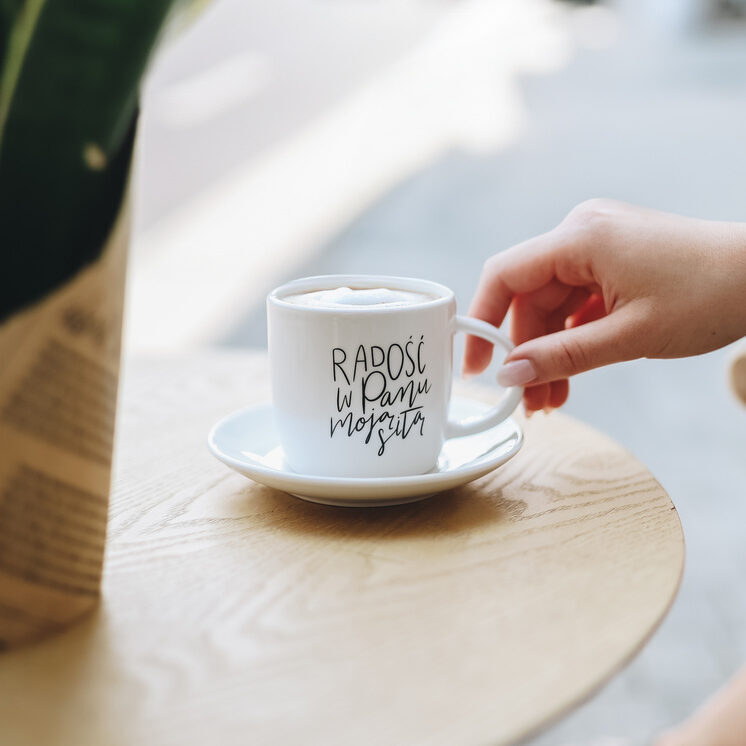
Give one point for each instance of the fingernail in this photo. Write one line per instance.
(466, 376)
(516, 373)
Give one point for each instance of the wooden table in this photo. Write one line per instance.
(234, 614)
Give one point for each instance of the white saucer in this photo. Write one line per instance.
(247, 441)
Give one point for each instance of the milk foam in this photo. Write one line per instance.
(358, 297)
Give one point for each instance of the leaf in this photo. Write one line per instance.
(66, 146)
(22, 20)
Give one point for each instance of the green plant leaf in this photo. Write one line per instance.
(67, 140)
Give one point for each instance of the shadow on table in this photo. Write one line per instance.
(47, 684)
(452, 512)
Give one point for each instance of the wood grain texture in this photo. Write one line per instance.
(234, 614)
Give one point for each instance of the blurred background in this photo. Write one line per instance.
(418, 137)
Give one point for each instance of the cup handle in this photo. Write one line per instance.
(512, 396)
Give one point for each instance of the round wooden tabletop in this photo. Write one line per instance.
(235, 614)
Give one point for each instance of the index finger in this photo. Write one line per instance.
(520, 269)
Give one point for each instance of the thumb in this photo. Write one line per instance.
(610, 339)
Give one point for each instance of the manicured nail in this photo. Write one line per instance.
(516, 373)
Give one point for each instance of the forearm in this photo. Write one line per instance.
(721, 721)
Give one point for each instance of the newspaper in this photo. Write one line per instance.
(59, 368)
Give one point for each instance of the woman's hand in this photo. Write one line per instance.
(612, 282)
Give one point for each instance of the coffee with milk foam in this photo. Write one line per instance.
(346, 297)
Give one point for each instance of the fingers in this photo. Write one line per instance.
(593, 308)
(519, 270)
(565, 353)
(529, 320)
(546, 395)
(558, 393)
(543, 312)
(548, 282)
(536, 398)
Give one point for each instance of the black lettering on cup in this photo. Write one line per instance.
(381, 400)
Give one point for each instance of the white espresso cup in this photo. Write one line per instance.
(361, 371)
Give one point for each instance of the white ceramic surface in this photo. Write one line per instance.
(248, 442)
(363, 390)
